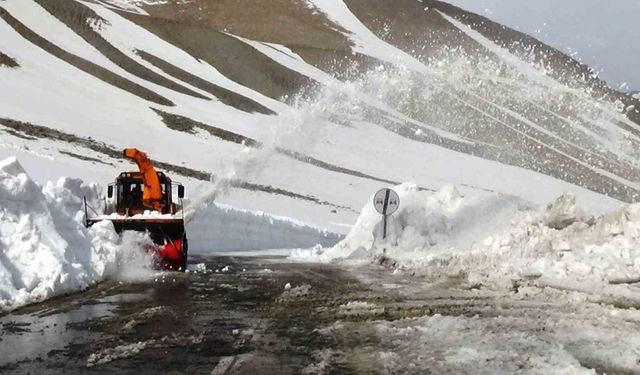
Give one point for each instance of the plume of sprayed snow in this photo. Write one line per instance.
(461, 97)
(297, 128)
(455, 96)
(135, 264)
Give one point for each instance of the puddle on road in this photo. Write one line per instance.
(46, 329)
(33, 336)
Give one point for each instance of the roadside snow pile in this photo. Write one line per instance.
(217, 227)
(44, 248)
(499, 242)
(425, 224)
(560, 246)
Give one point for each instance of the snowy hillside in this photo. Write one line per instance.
(303, 108)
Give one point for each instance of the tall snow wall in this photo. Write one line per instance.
(218, 228)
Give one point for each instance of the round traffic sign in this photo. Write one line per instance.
(386, 201)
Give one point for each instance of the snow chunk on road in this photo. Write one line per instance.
(200, 267)
(44, 248)
(291, 294)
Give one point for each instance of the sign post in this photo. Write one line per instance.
(386, 202)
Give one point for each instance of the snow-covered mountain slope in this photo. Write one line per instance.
(303, 108)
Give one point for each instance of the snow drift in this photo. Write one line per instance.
(497, 241)
(44, 248)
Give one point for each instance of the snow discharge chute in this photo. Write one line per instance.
(152, 194)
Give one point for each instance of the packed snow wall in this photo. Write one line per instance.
(216, 227)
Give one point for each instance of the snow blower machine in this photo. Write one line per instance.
(143, 202)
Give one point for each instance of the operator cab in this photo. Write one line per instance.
(129, 187)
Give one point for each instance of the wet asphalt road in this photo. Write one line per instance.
(238, 318)
(241, 320)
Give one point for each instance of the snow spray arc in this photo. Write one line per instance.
(386, 202)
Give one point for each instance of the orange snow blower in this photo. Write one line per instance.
(143, 202)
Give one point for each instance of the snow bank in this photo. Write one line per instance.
(44, 248)
(217, 227)
(425, 223)
(497, 241)
(560, 246)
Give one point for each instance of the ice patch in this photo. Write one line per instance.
(143, 316)
(323, 358)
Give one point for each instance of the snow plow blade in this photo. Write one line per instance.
(168, 235)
